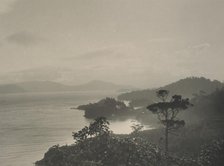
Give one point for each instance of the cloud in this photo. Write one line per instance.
(24, 38)
(110, 52)
(101, 53)
(201, 46)
(160, 40)
(194, 49)
(6, 5)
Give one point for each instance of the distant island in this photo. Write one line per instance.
(108, 107)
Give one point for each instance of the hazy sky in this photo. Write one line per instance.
(137, 42)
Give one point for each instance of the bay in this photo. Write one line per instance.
(30, 123)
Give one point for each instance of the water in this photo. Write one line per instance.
(32, 123)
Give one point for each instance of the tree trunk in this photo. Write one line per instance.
(166, 145)
(166, 140)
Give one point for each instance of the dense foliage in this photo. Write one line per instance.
(212, 154)
(99, 147)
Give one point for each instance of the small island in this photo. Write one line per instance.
(108, 107)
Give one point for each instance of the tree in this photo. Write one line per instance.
(99, 127)
(136, 128)
(96, 128)
(167, 111)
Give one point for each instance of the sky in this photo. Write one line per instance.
(145, 43)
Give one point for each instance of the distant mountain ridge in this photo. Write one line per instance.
(186, 87)
(99, 85)
(11, 88)
(49, 86)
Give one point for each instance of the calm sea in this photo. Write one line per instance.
(31, 123)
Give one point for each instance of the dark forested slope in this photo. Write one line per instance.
(187, 87)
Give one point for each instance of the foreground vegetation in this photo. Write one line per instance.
(96, 145)
(195, 144)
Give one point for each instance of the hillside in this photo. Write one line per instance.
(187, 87)
(210, 107)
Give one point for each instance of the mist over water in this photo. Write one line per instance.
(32, 123)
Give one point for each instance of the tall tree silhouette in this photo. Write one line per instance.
(96, 128)
(167, 110)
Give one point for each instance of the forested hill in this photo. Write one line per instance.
(210, 107)
(187, 87)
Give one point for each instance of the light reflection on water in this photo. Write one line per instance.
(124, 127)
